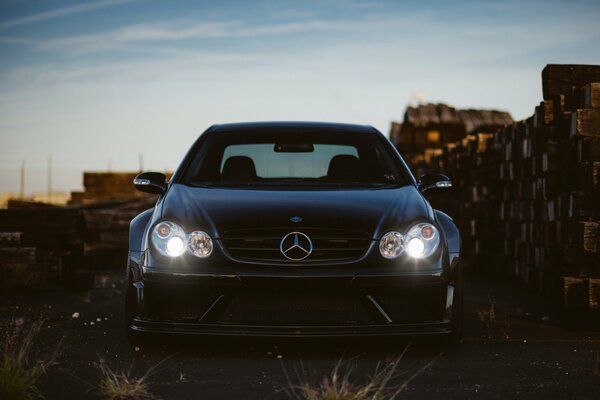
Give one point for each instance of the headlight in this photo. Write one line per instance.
(422, 240)
(172, 241)
(169, 239)
(391, 245)
(175, 246)
(200, 244)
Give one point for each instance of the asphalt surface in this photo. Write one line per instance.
(518, 350)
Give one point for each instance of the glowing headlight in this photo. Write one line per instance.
(175, 246)
(415, 247)
(391, 245)
(422, 240)
(169, 239)
(200, 244)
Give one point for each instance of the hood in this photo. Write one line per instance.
(219, 210)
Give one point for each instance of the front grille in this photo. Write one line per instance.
(329, 245)
(295, 308)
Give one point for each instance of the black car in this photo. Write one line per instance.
(293, 229)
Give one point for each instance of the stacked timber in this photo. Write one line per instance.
(551, 204)
(64, 244)
(20, 265)
(67, 244)
(106, 186)
(428, 128)
(38, 244)
(527, 197)
(472, 164)
(106, 237)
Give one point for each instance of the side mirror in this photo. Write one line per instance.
(433, 183)
(151, 182)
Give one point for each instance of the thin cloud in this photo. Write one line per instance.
(291, 13)
(137, 34)
(15, 40)
(60, 12)
(181, 30)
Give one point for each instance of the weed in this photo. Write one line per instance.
(123, 385)
(340, 384)
(20, 371)
(494, 326)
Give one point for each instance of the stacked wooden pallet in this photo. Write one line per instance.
(39, 244)
(527, 197)
(20, 264)
(475, 204)
(106, 186)
(64, 244)
(428, 128)
(106, 235)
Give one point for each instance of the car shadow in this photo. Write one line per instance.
(252, 347)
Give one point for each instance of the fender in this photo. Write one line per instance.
(450, 231)
(137, 227)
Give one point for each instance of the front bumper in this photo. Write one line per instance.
(291, 304)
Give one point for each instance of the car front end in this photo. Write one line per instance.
(296, 260)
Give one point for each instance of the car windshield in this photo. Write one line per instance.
(287, 159)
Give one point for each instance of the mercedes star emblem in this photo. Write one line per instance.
(296, 246)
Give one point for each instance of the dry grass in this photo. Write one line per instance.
(20, 371)
(340, 384)
(123, 385)
(495, 327)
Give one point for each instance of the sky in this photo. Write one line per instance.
(94, 84)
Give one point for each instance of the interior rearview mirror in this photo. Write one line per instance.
(151, 182)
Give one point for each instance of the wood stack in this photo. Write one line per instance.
(527, 197)
(106, 236)
(428, 128)
(39, 244)
(19, 264)
(106, 186)
(473, 166)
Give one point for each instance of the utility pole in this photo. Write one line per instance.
(141, 159)
(22, 181)
(49, 178)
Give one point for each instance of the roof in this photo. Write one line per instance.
(426, 115)
(292, 125)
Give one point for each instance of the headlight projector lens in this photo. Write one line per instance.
(175, 246)
(415, 247)
(163, 230)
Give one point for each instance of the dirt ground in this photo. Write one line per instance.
(516, 348)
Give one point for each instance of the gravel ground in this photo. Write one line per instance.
(521, 352)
